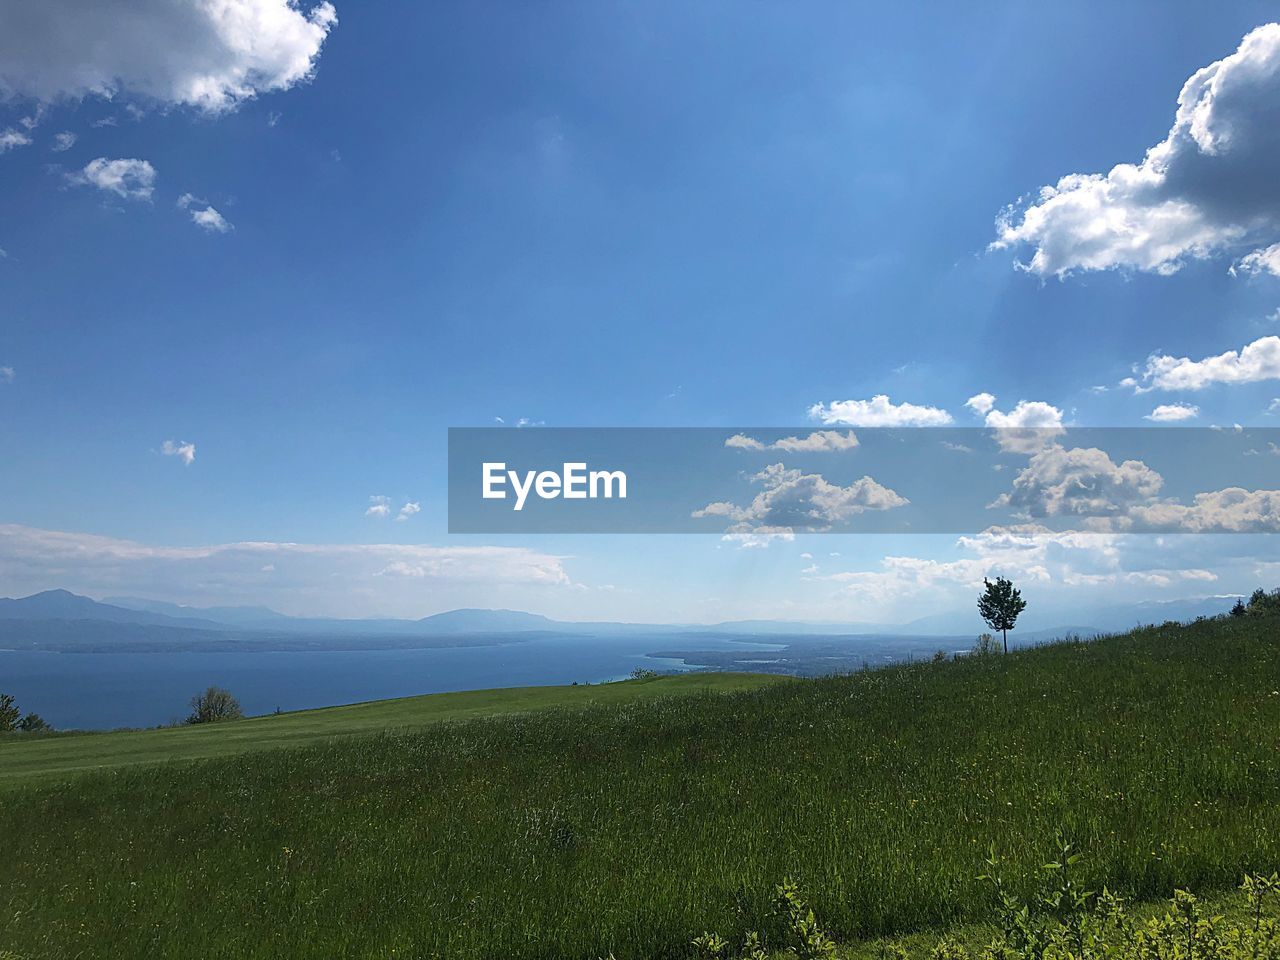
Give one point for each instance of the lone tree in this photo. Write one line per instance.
(213, 705)
(1000, 605)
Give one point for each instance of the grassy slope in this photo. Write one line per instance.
(573, 832)
(24, 759)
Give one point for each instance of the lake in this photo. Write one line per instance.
(105, 690)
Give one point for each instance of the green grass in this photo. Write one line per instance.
(25, 759)
(630, 827)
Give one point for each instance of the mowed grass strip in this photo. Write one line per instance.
(26, 759)
(632, 827)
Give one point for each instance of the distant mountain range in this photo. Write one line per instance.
(64, 606)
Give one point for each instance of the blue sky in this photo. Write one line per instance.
(396, 218)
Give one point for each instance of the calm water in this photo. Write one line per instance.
(102, 690)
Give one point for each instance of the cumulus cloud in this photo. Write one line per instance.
(210, 54)
(879, 411)
(1080, 482)
(1028, 414)
(1266, 260)
(1207, 188)
(11, 138)
(203, 215)
(981, 403)
(1173, 412)
(408, 510)
(63, 141)
(210, 220)
(379, 507)
(184, 451)
(1257, 361)
(1084, 484)
(1027, 553)
(819, 441)
(1030, 426)
(7, 374)
(792, 498)
(1233, 510)
(130, 179)
(312, 579)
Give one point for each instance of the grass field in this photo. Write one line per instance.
(24, 759)
(576, 831)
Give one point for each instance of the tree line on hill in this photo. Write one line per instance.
(1260, 602)
(13, 720)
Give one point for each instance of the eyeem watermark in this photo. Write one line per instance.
(573, 482)
(751, 484)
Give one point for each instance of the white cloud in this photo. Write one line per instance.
(1025, 553)
(1030, 426)
(819, 441)
(203, 215)
(184, 451)
(210, 220)
(1233, 510)
(408, 510)
(981, 403)
(1208, 187)
(378, 507)
(210, 54)
(311, 579)
(1032, 414)
(7, 374)
(1081, 482)
(11, 138)
(1257, 361)
(756, 538)
(131, 179)
(791, 498)
(1266, 260)
(1173, 412)
(63, 141)
(879, 411)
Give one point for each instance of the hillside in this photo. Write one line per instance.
(25, 759)
(578, 831)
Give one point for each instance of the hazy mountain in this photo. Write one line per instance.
(1039, 623)
(229, 615)
(487, 621)
(64, 605)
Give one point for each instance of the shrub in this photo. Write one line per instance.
(33, 723)
(214, 705)
(986, 645)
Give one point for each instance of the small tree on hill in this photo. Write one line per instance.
(1000, 604)
(213, 705)
(1239, 609)
(9, 713)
